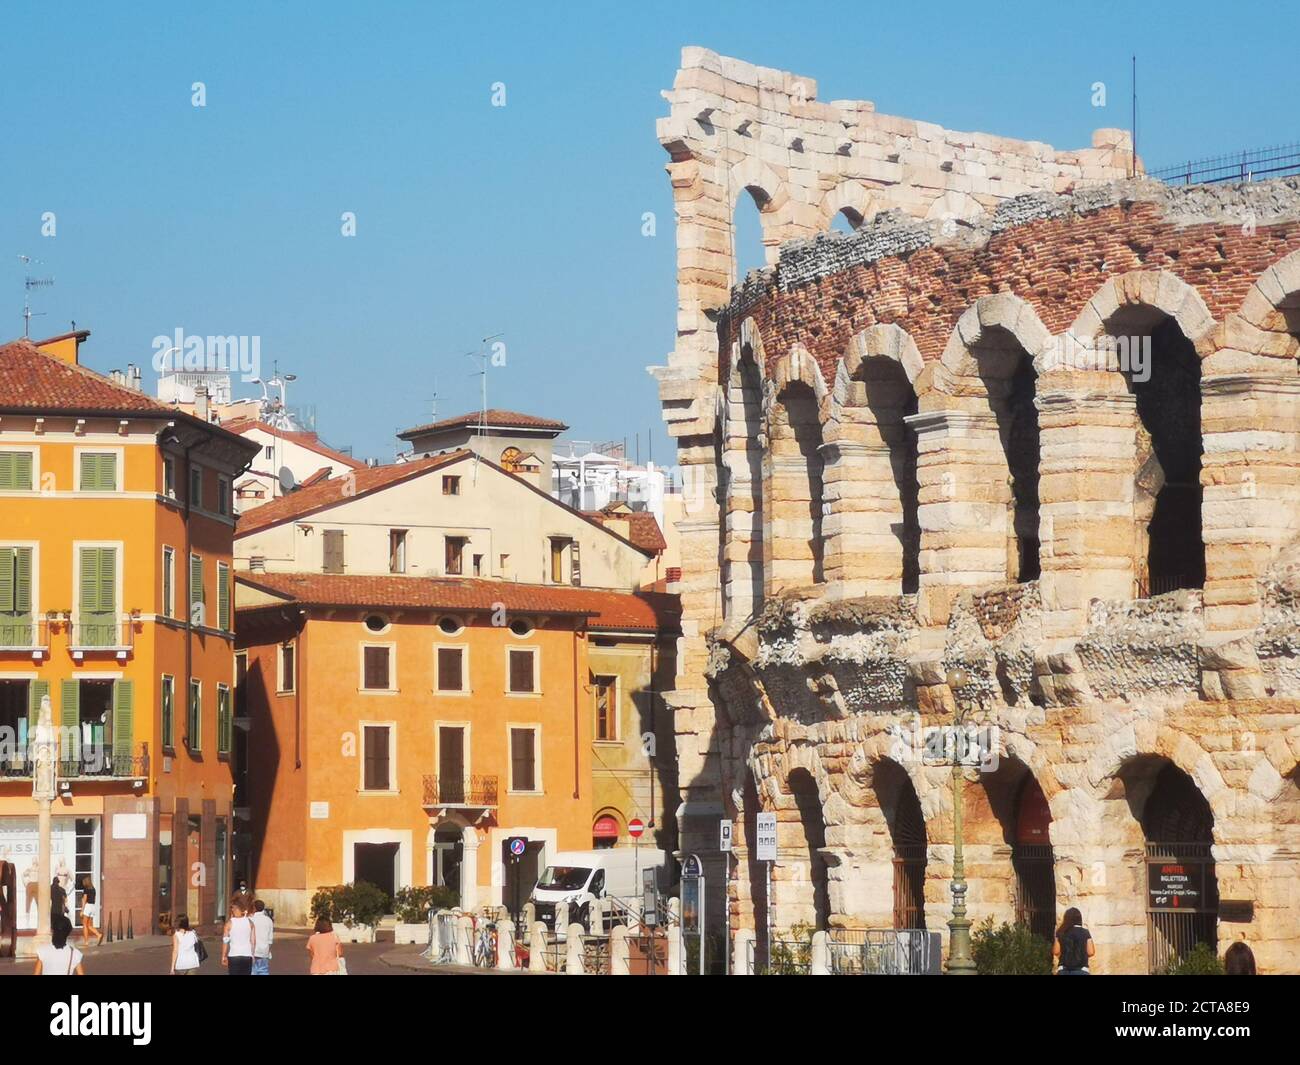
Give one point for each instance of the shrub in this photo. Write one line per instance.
(791, 953)
(1010, 950)
(1201, 960)
(414, 903)
(350, 904)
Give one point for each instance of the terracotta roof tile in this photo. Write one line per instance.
(31, 380)
(308, 499)
(604, 609)
(643, 527)
(508, 419)
(308, 440)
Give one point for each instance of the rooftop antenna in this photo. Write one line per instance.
(483, 357)
(30, 283)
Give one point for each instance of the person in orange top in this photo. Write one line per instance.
(326, 951)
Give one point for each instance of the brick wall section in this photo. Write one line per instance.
(1055, 264)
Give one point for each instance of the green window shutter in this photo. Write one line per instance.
(36, 691)
(223, 597)
(98, 471)
(123, 726)
(223, 720)
(8, 566)
(168, 712)
(70, 722)
(89, 472)
(98, 579)
(8, 471)
(168, 566)
(23, 582)
(194, 719)
(196, 584)
(15, 596)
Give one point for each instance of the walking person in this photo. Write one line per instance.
(89, 911)
(59, 958)
(1073, 946)
(264, 928)
(185, 948)
(58, 900)
(326, 951)
(238, 940)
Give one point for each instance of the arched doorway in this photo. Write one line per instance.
(446, 855)
(897, 798)
(798, 475)
(1031, 859)
(1182, 896)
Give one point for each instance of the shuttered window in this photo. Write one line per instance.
(376, 739)
(97, 577)
(198, 616)
(70, 726)
(451, 669)
(375, 668)
(451, 763)
(36, 691)
(194, 718)
(286, 667)
(98, 471)
(223, 597)
(15, 471)
(522, 671)
(523, 759)
(169, 712)
(16, 597)
(224, 723)
(123, 727)
(332, 545)
(606, 708)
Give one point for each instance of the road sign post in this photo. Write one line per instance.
(725, 829)
(765, 846)
(693, 903)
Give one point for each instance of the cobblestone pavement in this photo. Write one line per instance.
(289, 957)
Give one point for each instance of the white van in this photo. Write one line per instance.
(582, 878)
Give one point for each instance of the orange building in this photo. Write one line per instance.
(408, 726)
(116, 603)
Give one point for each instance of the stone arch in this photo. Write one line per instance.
(1145, 738)
(851, 198)
(1266, 327)
(1157, 290)
(955, 206)
(795, 552)
(873, 539)
(770, 196)
(744, 442)
(1002, 311)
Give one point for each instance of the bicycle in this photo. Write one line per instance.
(485, 945)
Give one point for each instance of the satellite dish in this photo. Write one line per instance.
(287, 481)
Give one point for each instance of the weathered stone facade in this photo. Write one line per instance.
(1032, 420)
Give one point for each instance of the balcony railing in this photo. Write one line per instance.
(24, 634)
(86, 765)
(477, 791)
(102, 634)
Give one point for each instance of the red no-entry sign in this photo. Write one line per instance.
(635, 827)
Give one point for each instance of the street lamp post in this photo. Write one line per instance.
(960, 962)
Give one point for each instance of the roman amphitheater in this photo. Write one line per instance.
(922, 477)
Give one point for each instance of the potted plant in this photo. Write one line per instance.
(413, 906)
(353, 909)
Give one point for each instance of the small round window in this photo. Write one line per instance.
(450, 625)
(521, 627)
(376, 622)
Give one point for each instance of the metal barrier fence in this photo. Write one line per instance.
(883, 951)
(1250, 165)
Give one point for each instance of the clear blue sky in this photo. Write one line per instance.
(523, 220)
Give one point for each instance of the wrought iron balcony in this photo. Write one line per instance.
(478, 792)
(26, 635)
(82, 765)
(115, 635)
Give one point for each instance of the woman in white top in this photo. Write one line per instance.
(239, 941)
(59, 959)
(185, 952)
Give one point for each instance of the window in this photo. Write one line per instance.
(15, 471)
(97, 597)
(606, 691)
(269, 451)
(287, 672)
(375, 672)
(523, 671)
(225, 723)
(377, 623)
(450, 625)
(521, 627)
(523, 758)
(451, 486)
(558, 544)
(169, 478)
(168, 712)
(455, 555)
(169, 582)
(332, 550)
(223, 596)
(505, 561)
(451, 763)
(241, 685)
(16, 597)
(376, 743)
(478, 565)
(98, 471)
(194, 718)
(396, 550)
(196, 487)
(197, 598)
(223, 495)
(450, 668)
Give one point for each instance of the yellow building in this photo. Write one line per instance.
(115, 603)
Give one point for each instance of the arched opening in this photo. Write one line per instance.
(743, 457)
(1010, 383)
(756, 873)
(1163, 372)
(1032, 861)
(846, 220)
(902, 809)
(747, 249)
(606, 830)
(891, 400)
(447, 852)
(797, 489)
(1180, 886)
(804, 791)
(1016, 816)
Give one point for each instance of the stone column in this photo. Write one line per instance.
(742, 958)
(469, 868)
(820, 955)
(863, 552)
(1087, 524)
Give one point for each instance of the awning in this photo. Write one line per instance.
(605, 828)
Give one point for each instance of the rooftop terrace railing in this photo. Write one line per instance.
(1249, 165)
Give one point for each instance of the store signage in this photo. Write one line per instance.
(1175, 885)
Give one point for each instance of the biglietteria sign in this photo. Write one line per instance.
(1175, 885)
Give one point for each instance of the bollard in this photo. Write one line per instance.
(505, 943)
(530, 915)
(537, 948)
(464, 940)
(108, 927)
(820, 956)
(619, 964)
(742, 958)
(573, 960)
(130, 924)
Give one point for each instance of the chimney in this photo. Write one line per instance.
(66, 347)
(201, 402)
